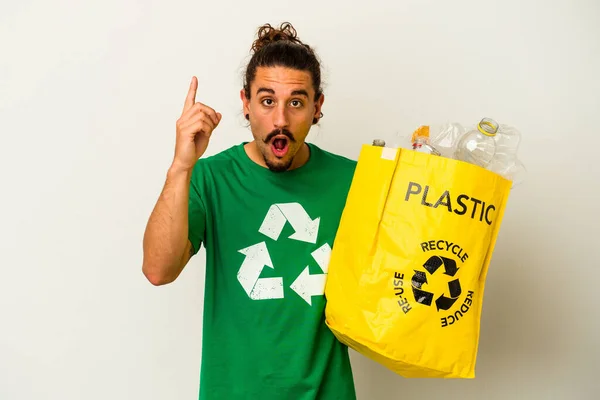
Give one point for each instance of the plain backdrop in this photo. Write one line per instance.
(89, 96)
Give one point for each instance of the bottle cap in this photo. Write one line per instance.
(421, 131)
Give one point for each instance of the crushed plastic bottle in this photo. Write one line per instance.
(478, 146)
(507, 143)
(444, 137)
(421, 143)
(516, 172)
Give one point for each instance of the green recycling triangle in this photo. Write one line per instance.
(257, 256)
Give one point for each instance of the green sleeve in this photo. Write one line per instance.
(196, 211)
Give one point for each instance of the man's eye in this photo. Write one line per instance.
(267, 102)
(296, 103)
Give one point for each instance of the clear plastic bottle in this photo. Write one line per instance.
(507, 144)
(421, 144)
(420, 141)
(445, 137)
(478, 145)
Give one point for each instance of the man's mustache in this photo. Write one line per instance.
(276, 132)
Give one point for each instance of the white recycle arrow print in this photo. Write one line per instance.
(307, 285)
(257, 257)
(306, 229)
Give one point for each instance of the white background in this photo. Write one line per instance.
(89, 96)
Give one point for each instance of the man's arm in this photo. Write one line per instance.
(167, 248)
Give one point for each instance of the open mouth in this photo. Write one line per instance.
(280, 145)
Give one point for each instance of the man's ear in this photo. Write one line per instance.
(245, 102)
(318, 106)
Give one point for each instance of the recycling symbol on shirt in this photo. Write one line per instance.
(257, 256)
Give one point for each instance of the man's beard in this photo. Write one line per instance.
(279, 167)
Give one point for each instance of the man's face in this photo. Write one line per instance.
(281, 109)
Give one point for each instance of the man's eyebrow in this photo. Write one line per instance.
(264, 89)
(299, 92)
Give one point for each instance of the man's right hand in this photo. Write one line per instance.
(194, 129)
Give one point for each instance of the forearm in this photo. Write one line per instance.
(166, 236)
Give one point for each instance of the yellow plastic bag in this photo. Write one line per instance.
(409, 263)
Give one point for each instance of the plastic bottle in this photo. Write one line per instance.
(478, 146)
(421, 143)
(445, 136)
(507, 143)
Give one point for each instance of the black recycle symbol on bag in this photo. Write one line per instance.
(420, 278)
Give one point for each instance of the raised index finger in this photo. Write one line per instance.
(191, 96)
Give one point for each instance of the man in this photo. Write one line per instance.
(266, 212)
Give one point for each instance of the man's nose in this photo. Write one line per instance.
(280, 118)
